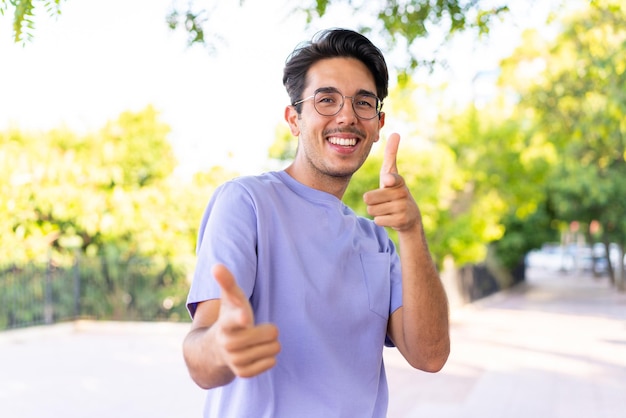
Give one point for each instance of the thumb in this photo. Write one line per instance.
(389, 162)
(235, 309)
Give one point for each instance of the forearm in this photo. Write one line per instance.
(199, 350)
(425, 315)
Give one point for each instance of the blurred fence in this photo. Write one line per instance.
(45, 293)
(476, 281)
(139, 290)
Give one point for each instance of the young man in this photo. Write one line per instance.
(294, 296)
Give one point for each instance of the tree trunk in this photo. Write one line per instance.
(609, 264)
(621, 274)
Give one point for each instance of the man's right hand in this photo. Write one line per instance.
(245, 348)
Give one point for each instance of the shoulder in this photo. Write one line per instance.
(365, 224)
(251, 186)
(368, 228)
(252, 183)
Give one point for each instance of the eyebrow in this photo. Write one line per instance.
(335, 90)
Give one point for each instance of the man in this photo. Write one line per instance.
(294, 296)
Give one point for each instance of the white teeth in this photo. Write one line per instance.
(345, 142)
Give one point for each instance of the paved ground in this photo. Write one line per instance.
(554, 347)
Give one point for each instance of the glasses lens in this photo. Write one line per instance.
(366, 106)
(328, 103)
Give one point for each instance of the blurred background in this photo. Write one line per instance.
(118, 119)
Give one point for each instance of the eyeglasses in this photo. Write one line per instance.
(329, 103)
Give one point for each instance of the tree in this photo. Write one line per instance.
(576, 102)
(63, 185)
(401, 22)
(24, 12)
(112, 197)
(499, 181)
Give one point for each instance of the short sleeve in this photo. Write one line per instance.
(227, 235)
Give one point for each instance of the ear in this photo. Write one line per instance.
(381, 123)
(292, 118)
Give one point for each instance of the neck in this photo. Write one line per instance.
(335, 185)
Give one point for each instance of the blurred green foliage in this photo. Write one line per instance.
(572, 98)
(111, 197)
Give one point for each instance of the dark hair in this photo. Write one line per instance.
(329, 44)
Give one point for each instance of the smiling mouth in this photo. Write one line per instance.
(344, 142)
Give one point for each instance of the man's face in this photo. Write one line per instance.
(336, 145)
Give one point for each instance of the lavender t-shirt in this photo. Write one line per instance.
(327, 278)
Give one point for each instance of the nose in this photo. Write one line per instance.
(346, 114)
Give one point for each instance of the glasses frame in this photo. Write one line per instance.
(379, 102)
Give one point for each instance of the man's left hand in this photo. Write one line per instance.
(392, 204)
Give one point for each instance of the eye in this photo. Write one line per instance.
(326, 98)
(368, 102)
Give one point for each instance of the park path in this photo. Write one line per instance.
(553, 347)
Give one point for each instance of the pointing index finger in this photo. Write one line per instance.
(389, 159)
(234, 301)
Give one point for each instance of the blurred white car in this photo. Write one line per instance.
(574, 257)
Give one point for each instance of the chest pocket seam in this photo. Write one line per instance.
(376, 268)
